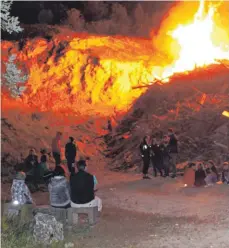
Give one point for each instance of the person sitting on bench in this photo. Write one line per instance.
(19, 191)
(83, 187)
(59, 192)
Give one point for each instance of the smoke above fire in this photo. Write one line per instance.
(96, 74)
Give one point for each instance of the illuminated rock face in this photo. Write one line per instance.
(81, 73)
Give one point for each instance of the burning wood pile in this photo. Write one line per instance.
(178, 79)
(192, 105)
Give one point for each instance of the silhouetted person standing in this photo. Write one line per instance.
(165, 155)
(70, 154)
(173, 150)
(145, 149)
(31, 161)
(157, 157)
(109, 126)
(56, 148)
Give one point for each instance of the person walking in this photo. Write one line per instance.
(145, 150)
(70, 154)
(173, 150)
(56, 148)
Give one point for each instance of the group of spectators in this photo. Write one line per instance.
(205, 174)
(162, 153)
(75, 191)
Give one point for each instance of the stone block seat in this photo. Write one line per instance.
(69, 216)
(73, 214)
(24, 213)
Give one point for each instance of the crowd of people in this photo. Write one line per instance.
(205, 174)
(161, 152)
(77, 190)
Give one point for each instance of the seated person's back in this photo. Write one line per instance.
(19, 191)
(200, 175)
(59, 190)
(82, 185)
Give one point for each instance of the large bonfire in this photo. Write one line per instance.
(200, 42)
(86, 74)
(82, 73)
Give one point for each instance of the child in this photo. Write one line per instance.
(19, 191)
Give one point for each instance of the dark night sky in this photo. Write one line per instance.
(34, 12)
(28, 11)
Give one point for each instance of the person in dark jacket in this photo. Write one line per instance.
(59, 191)
(173, 150)
(70, 154)
(31, 167)
(200, 175)
(157, 156)
(82, 188)
(145, 150)
(31, 161)
(165, 155)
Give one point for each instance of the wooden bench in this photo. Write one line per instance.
(72, 214)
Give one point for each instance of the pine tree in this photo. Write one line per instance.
(9, 23)
(13, 78)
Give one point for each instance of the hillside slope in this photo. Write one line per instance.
(23, 128)
(83, 73)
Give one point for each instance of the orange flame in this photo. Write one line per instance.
(197, 43)
(90, 74)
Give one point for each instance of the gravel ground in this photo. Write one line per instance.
(160, 214)
(157, 213)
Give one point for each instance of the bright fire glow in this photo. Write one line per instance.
(88, 74)
(225, 113)
(196, 42)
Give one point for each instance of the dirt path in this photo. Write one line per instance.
(161, 214)
(130, 229)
